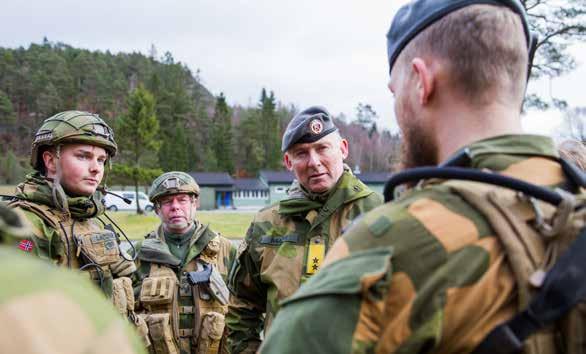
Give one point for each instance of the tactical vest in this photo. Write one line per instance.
(84, 244)
(183, 316)
(534, 234)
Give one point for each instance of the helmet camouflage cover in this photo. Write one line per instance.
(173, 183)
(72, 127)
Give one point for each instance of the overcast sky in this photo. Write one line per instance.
(308, 52)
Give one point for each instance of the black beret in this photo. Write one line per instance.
(417, 15)
(308, 126)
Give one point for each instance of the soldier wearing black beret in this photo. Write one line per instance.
(287, 242)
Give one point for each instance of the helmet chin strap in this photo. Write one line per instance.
(58, 194)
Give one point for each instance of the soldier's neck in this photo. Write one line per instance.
(464, 125)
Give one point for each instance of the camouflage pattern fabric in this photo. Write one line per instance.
(283, 247)
(52, 226)
(200, 238)
(33, 296)
(423, 274)
(49, 310)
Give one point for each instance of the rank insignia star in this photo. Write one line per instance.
(315, 267)
(315, 260)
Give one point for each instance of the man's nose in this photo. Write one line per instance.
(94, 166)
(313, 159)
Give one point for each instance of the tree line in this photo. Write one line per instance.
(179, 124)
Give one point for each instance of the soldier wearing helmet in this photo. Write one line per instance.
(182, 266)
(40, 294)
(70, 152)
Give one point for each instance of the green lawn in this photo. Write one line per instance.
(229, 224)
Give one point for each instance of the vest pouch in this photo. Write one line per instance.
(158, 291)
(160, 334)
(99, 247)
(212, 329)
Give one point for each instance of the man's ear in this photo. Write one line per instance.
(50, 160)
(287, 161)
(344, 148)
(425, 80)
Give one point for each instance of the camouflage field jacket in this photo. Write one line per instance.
(422, 274)
(281, 250)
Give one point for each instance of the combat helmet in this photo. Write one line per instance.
(72, 127)
(174, 182)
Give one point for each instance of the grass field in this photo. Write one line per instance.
(230, 224)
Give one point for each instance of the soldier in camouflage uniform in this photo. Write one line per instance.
(182, 267)
(428, 273)
(33, 295)
(286, 242)
(70, 153)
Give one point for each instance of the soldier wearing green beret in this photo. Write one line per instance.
(182, 267)
(287, 242)
(44, 309)
(438, 268)
(70, 154)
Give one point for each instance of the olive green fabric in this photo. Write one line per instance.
(38, 189)
(179, 243)
(13, 225)
(51, 310)
(341, 282)
(182, 255)
(54, 226)
(450, 283)
(273, 259)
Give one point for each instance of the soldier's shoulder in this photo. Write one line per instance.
(41, 294)
(267, 213)
(431, 212)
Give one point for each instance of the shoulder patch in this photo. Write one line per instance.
(380, 226)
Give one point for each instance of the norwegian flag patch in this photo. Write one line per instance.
(26, 245)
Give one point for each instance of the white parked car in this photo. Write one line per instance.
(113, 203)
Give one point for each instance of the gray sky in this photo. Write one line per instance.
(324, 52)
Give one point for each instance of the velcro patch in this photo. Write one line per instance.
(277, 240)
(380, 226)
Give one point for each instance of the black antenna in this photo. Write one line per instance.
(126, 200)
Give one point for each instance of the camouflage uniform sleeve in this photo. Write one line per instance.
(364, 205)
(348, 293)
(245, 318)
(46, 240)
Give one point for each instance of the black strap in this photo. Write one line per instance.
(470, 174)
(563, 288)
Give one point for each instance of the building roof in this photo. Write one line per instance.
(212, 178)
(249, 184)
(276, 176)
(374, 177)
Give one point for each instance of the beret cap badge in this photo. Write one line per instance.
(316, 126)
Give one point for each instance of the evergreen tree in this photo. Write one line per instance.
(141, 128)
(222, 142)
(270, 136)
(7, 115)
